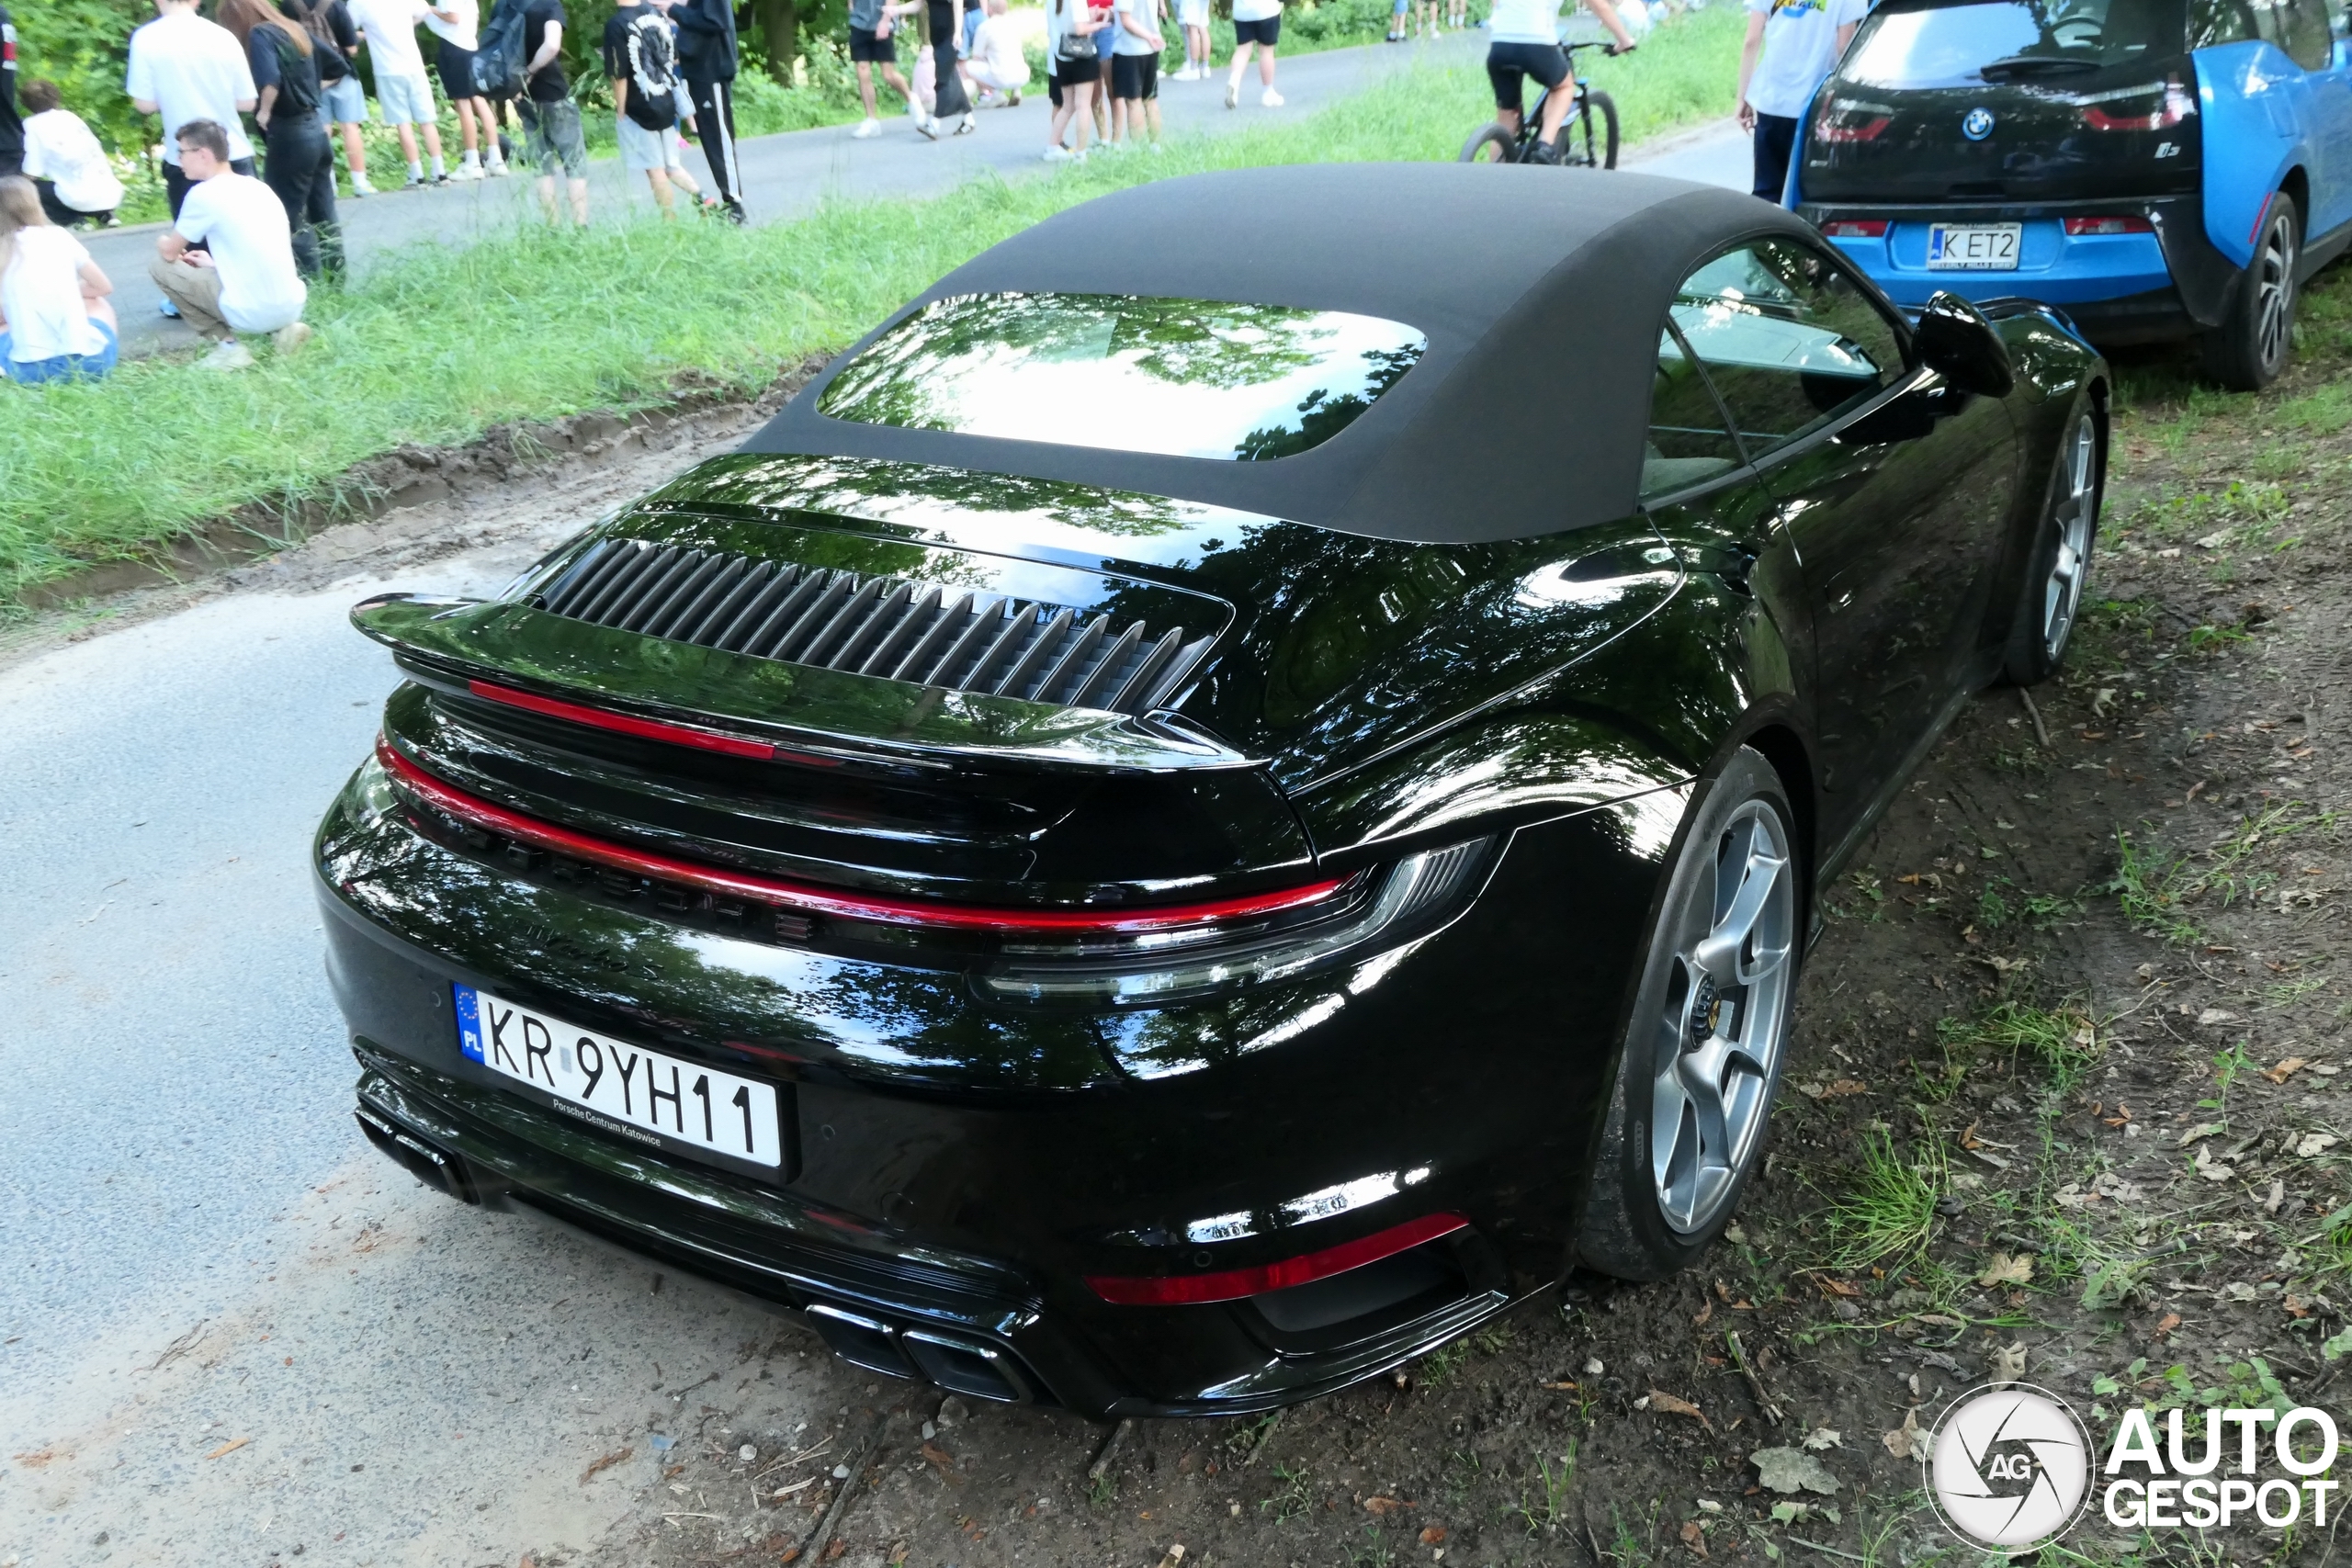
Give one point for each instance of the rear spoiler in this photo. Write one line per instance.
(829, 714)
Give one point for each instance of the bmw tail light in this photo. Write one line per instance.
(1845, 120)
(1234, 1284)
(1386, 909)
(2119, 224)
(1856, 229)
(2159, 105)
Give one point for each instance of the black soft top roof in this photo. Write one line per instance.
(1541, 290)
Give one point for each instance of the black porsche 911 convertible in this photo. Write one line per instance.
(1238, 787)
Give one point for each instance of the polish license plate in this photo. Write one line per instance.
(621, 1088)
(1973, 247)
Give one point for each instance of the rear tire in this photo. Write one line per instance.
(2252, 346)
(2050, 603)
(1703, 1054)
(1493, 145)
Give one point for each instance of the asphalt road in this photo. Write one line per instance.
(201, 1255)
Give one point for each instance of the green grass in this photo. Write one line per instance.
(441, 344)
(2062, 1039)
(1887, 1214)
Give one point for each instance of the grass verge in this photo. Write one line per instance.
(443, 343)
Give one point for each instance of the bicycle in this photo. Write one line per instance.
(1588, 138)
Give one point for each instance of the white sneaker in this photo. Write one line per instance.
(1270, 99)
(1232, 91)
(467, 172)
(867, 129)
(1058, 154)
(929, 126)
(496, 168)
(1014, 100)
(229, 355)
(970, 123)
(291, 339)
(359, 186)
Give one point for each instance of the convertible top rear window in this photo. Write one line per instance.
(1176, 378)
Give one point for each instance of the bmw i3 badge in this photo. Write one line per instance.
(1976, 124)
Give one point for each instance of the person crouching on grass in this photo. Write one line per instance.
(55, 323)
(245, 280)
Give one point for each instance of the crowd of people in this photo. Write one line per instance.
(243, 252)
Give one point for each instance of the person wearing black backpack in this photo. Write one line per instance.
(708, 58)
(297, 159)
(641, 63)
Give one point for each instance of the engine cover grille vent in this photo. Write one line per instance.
(966, 640)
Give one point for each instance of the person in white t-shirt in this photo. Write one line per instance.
(55, 319)
(1135, 73)
(999, 65)
(185, 68)
(64, 162)
(404, 90)
(1192, 15)
(1524, 41)
(1257, 23)
(247, 282)
(457, 25)
(1798, 42)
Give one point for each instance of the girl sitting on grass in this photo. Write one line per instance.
(55, 319)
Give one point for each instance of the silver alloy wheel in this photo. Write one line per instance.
(2075, 514)
(1720, 1036)
(2273, 279)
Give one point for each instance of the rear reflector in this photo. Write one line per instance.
(1856, 229)
(2116, 225)
(625, 724)
(472, 810)
(1233, 1284)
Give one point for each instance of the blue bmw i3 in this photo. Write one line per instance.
(2154, 168)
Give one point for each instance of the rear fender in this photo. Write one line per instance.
(2254, 136)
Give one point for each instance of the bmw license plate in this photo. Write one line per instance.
(621, 1088)
(1973, 247)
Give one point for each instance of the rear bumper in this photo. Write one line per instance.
(2119, 288)
(964, 1168)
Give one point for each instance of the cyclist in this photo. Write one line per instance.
(1527, 43)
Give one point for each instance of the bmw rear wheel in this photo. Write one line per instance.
(2246, 352)
(2053, 597)
(1703, 1054)
(1493, 145)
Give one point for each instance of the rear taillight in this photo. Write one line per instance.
(2159, 105)
(1850, 119)
(2078, 227)
(1856, 229)
(1407, 901)
(1234, 1284)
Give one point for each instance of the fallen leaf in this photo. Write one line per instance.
(232, 1446)
(604, 1464)
(1695, 1538)
(939, 1456)
(1672, 1405)
(1824, 1437)
(1906, 1441)
(2288, 1068)
(2271, 1205)
(2211, 1169)
(2296, 1306)
(1706, 1315)
(2165, 1326)
(1968, 1138)
(1174, 1559)
(2003, 1268)
(1433, 1535)
(36, 1459)
(2202, 1129)
(1383, 1506)
(1558, 1387)
(1791, 1470)
(2316, 1143)
(1830, 1287)
(2122, 1115)
(2216, 1015)
(2007, 1364)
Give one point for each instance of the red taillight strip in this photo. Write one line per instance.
(643, 729)
(1232, 1285)
(472, 808)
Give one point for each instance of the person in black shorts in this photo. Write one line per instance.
(873, 41)
(1526, 35)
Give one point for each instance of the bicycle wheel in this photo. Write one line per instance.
(1493, 145)
(1590, 138)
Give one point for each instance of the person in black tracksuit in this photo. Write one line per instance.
(706, 58)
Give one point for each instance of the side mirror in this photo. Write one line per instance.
(1957, 343)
